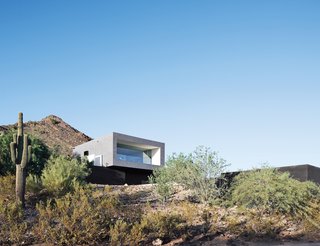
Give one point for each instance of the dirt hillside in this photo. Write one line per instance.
(54, 132)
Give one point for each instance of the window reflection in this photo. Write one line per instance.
(133, 154)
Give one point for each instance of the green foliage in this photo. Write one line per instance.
(269, 190)
(6, 165)
(33, 184)
(40, 154)
(77, 218)
(39, 157)
(91, 215)
(62, 174)
(198, 172)
(163, 178)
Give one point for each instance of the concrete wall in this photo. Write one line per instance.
(299, 172)
(314, 174)
(303, 172)
(101, 146)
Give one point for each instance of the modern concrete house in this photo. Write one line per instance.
(120, 159)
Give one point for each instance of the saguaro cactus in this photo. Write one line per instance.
(20, 155)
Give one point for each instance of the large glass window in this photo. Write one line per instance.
(133, 154)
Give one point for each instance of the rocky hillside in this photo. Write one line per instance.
(54, 132)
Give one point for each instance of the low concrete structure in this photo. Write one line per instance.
(120, 158)
(304, 172)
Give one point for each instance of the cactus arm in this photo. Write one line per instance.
(24, 158)
(29, 153)
(15, 138)
(13, 146)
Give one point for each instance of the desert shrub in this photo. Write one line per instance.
(40, 154)
(249, 223)
(151, 225)
(33, 184)
(61, 174)
(136, 235)
(311, 223)
(123, 233)
(190, 212)
(6, 166)
(12, 223)
(198, 172)
(77, 218)
(11, 211)
(162, 224)
(147, 226)
(243, 222)
(267, 225)
(269, 190)
(162, 177)
(7, 188)
(118, 233)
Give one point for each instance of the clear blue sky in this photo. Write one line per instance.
(242, 77)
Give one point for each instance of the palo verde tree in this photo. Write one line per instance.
(270, 191)
(198, 171)
(21, 156)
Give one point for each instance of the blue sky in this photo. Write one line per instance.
(239, 76)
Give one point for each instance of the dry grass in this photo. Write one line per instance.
(132, 215)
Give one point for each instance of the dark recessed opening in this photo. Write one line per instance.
(86, 153)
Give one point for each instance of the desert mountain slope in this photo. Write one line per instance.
(54, 132)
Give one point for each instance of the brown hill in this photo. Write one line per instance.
(54, 132)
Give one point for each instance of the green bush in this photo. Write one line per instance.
(61, 174)
(6, 166)
(40, 154)
(269, 190)
(198, 172)
(162, 177)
